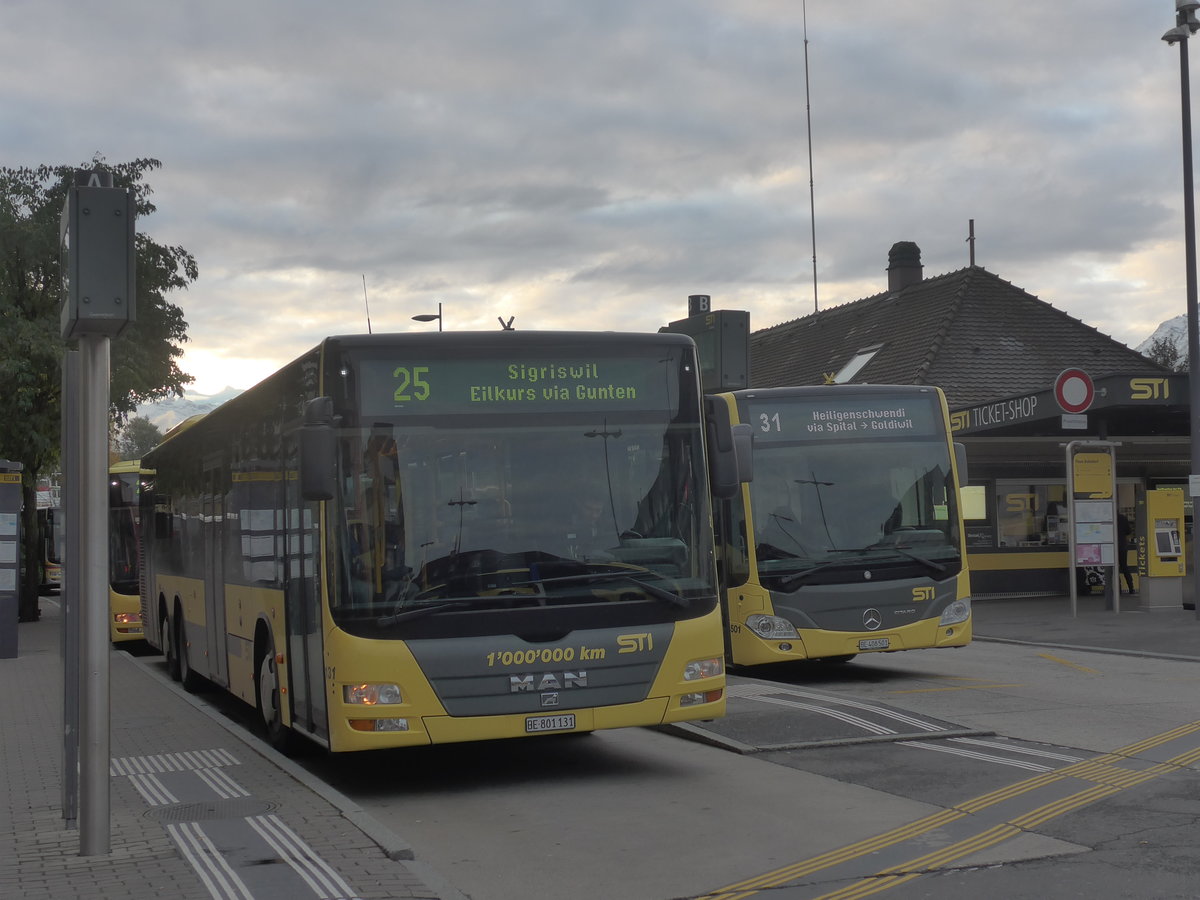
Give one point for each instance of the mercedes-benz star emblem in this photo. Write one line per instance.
(872, 619)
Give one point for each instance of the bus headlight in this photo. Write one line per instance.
(703, 668)
(770, 627)
(371, 694)
(958, 611)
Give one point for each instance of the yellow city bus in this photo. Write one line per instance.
(379, 545)
(125, 481)
(850, 538)
(50, 547)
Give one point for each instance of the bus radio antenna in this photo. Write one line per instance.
(367, 305)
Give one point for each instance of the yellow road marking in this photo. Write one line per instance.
(1106, 779)
(1069, 663)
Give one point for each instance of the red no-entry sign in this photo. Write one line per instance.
(1074, 391)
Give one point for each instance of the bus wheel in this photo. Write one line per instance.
(268, 699)
(168, 647)
(190, 677)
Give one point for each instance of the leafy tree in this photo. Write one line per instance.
(1166, 353)
(144, 358)
(138, 437)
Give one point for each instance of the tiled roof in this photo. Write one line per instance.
(969, 332)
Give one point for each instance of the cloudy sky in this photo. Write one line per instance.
(588, 164)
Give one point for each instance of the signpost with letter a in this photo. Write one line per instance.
(97, 234)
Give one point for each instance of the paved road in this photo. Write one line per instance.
(1010, 768)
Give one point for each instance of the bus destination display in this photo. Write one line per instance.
(814, 420)
(502, 385)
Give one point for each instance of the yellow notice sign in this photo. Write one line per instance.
(10, 477)
(1093, 475)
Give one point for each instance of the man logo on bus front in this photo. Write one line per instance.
(872, 619)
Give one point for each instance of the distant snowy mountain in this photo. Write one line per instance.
(1173, 329)
(166, 414)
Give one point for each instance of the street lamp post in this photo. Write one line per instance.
(1185, 26)
(429, 317)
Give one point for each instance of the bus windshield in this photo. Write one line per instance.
(827, 505)
(518, 500)
(122, 531)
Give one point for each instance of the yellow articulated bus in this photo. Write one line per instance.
(125, 480)
(410, 539)
(850, 538)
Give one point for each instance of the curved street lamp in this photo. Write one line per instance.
(1185, 26)
(429, 317)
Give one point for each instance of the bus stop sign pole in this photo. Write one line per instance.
(97, 232)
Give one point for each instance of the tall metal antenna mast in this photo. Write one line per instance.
(812, 208)
(367, 305)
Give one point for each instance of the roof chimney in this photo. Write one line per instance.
(904, 265)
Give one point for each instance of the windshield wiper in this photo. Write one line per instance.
(419, 612)
(933, 565)
(788, 582)
(618, 575)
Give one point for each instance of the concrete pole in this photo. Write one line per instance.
(69, 592)
(94, 782)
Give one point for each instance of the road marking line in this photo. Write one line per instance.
(776, 695)
(1013, 748)
(975, 754)
(1072, 665)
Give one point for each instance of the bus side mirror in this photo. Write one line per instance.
(960, 460)
(743, 449)
(728, 450)
(317, 450)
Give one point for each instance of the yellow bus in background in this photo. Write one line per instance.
(125, 480)
(850, 537)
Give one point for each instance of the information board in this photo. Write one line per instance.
(440, 386)
(803, 419)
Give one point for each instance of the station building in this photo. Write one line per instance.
(998, 353)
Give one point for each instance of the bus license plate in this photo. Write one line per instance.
(563, 722)
(874, 644)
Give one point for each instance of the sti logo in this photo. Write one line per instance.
(922, 593)
(1149, 388)
(1021, 502)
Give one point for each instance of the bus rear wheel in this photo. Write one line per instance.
(168, 647)
(187, 675)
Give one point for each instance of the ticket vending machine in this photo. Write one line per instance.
(10, 556)
(1162, 550)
